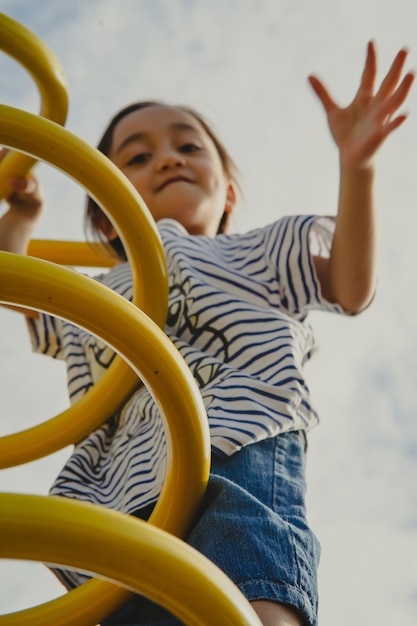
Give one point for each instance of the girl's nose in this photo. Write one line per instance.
(169, 160)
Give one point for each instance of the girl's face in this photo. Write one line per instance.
(174, 165)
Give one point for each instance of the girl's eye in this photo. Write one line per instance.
(189, 147)
(141, 157)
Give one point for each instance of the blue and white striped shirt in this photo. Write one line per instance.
(237, 310)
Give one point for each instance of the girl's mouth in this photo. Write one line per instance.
(173, 179)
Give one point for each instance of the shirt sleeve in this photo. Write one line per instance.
(46, 332)
(291, 245)
(45, 335)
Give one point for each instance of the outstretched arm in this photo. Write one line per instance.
(348, 276)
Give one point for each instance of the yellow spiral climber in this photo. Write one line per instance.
(127, 555)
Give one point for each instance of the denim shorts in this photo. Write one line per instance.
(252, 525)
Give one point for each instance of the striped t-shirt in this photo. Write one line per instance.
(237, 309)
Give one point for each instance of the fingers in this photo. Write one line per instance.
(393, 76)
(367, 84)
(27, 185)
(25, 192)
(392, 103)
(366, 87)
(389, 84)
(399, 96)
(391, 80)
(393, 124)
(322, 93)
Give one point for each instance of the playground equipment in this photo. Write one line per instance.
(141, 557)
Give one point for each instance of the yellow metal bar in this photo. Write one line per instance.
(42, 64)
(46, 140)
(119, 199)
(48, 287)
(109, 187)
(68, 535)
(45, 286)
(125, 550)
(72, 253)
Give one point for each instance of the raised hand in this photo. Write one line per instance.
(360, 128)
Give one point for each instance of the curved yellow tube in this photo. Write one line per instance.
(125, 550)
(40, 138)
(33, 527)
(45, 286)
(72, 253)
(48, 74)
(110, 188)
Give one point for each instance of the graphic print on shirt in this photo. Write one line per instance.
(181, 318)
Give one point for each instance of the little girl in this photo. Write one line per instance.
(237, 310)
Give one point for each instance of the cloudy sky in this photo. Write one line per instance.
(244, 64)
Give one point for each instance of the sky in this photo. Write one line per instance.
(244, 65)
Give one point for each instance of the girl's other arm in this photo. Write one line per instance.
(16, 225)
(348, 276)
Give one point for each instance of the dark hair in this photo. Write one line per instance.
(105, 144)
